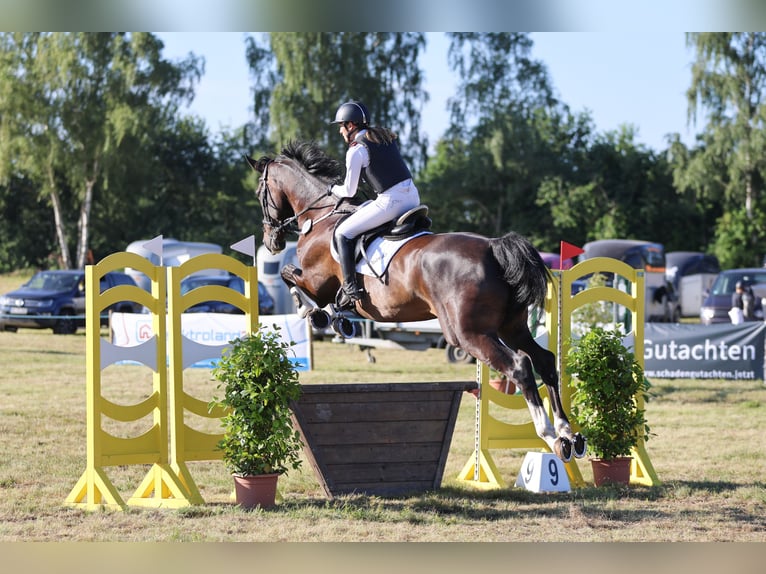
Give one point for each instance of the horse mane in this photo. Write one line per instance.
(313, 159)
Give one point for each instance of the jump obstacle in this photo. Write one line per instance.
(171, 443)
(378, 438)
(493, 433)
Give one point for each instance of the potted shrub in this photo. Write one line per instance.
(606, 378)
(259, 442)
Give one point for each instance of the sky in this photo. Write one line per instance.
(624, 77)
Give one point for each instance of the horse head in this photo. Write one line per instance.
(291, 184)
(276, 209)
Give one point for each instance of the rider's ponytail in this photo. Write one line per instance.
(380, 135)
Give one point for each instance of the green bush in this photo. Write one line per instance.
(606, 377)
(259, 383)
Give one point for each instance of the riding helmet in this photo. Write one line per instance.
(352, 111)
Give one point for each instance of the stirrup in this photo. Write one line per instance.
(348, 294)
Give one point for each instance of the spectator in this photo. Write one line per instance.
(744, 299)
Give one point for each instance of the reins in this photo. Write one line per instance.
(289, 225)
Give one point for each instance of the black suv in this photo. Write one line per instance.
(56, 300)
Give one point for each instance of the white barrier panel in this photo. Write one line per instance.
(543, 472)
(215, 330)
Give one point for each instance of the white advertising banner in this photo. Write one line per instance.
(215, 330)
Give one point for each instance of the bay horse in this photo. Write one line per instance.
(478, 288)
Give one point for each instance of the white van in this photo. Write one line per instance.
(174, 253)
(269, 266)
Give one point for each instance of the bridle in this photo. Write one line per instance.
(276, 227)
(290, 225)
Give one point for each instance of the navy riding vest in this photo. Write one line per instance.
(387, 168)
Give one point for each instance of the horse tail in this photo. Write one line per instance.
(523, 269)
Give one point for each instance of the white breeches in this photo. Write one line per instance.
(387, 206)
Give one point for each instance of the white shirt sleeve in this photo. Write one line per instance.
(357, 158)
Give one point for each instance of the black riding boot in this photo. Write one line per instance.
(350, 291)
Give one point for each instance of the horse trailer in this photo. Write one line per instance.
(661, 300)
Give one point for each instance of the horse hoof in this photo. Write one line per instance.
(319, 319)
(343, 327)
(580, 443)
(563, 448)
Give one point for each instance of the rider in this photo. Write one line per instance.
(373, 154)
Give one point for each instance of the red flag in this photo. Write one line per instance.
(568, 250)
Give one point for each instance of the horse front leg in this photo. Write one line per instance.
(293, 278)
(311, 306)
(291, 274)
(305, 304)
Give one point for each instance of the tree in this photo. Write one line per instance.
(300, 79)
(26, 230)
(729, 84)
(496, 75)
(194, 187)
(71, 102)
(616, 188)
(506, 129)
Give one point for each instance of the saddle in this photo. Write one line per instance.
(414, 221)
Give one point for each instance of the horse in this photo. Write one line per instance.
(478, 288)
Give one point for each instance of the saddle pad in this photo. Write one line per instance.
(379, 252)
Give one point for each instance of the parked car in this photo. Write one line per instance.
(553, 260)
(692, 274)
(715, 308)
(661, 299)
(265, 301)
(56, 300)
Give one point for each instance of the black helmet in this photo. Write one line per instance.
(352, 111)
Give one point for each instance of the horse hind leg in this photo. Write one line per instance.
(553, 436)
(517, 367)
(544, 363)
(567, 443)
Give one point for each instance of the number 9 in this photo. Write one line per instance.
(553, 470)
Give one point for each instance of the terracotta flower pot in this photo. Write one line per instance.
(259, 490)
(612, 471)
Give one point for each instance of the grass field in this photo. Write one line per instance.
(705, 448)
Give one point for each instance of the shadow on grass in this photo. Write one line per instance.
(594, 505)
(47, 352)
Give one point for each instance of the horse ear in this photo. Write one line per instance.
(252, 162)
(258, 165)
